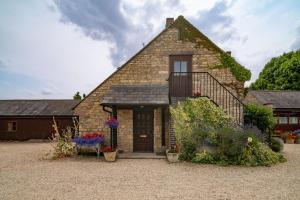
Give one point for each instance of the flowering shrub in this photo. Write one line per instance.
(292, 136)
(197, 115)
(197, 94)
(112, 122)
(204, 157)
(205, 134)
(92, 135)
(108, 149)
(61, 142)
(259, 154)
(89, 139)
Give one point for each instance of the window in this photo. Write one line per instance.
(180, 66)
(293, 120)
(176, 66)
(12, 126)
(282, 120)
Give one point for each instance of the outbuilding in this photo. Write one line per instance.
(33, 119)
(285, 105)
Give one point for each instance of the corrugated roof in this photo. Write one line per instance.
(137, 95)
(37, 107)
(278, 98)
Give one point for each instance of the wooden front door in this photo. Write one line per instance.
(181, 78)
(143, 129)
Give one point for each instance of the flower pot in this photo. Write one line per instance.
(110, 156)
(290, 140)
(172, 157)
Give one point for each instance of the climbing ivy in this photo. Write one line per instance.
(239, 71)
(187, 32)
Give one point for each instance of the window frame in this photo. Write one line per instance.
(180, 72)
(297, 121)
(12, 130)
(287, 120)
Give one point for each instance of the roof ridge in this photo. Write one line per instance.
(181, 17)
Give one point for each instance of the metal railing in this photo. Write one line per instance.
(203, 84)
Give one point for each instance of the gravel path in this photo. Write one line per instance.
(24, 175)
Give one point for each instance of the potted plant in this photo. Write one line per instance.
(109, 154)
(172, 155)
(112, 122)
(297, 133)
(291, 138)
(197, 94)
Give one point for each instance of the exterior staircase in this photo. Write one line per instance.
(202, 84)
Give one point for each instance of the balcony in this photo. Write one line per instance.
(202, 84)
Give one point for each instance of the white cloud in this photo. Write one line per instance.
(77, 55)
(267, 26)
(57, 54)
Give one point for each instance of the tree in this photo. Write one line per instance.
(280, 73)
(259, 116)
(77, 96)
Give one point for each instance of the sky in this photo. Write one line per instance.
(53, 48)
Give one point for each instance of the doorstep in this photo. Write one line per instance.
(140, 156)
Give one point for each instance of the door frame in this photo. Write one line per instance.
(186, 85)
(143, 109)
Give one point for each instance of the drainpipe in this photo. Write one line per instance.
(111, 130)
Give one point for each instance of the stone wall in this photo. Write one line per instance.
(157, 129)
(150, 66)
(125, 130)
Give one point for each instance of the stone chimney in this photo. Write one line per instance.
(228, 53)
(169, 21)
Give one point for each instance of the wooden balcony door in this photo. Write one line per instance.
(181, 77)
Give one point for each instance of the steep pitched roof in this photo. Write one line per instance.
(189, 32)
(278, 98)
(182, 24)
(37, 107)
(137, 94)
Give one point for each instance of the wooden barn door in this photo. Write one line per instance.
(143, 129)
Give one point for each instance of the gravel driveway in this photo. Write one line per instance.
(24, 175)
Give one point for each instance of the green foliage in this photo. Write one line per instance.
(240, 72)
(189, 33)
(204, 157)
(254, 153)
(197, 114)
(258, 154)
(276, 144)
(77, 96)
(231, 142)
(260, 116)
(189, 149)
(63, 145)
(280, 73)
(198, 122)
(62, 142)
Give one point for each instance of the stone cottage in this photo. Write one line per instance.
(179, 62)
